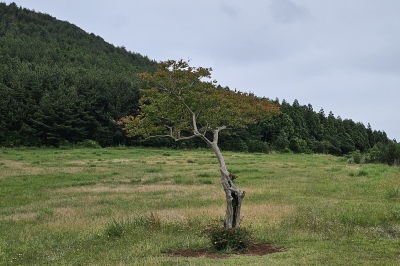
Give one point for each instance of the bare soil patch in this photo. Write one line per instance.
(255, 249)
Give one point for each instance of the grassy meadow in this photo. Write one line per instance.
(127, 206)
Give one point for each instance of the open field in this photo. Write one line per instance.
(126, 206)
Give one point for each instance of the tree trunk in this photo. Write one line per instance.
(234, 196)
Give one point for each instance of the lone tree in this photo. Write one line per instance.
(182, 105)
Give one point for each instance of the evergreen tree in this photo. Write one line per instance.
(60, 83)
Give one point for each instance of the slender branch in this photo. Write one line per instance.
(179, 97)
(171, 136)
(195, 129)
(200, 111)
(170, 130)
(205, 129)
(185, 87)
(196, 132)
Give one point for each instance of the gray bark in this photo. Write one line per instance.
(233, 195)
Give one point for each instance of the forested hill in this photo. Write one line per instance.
(59, 83)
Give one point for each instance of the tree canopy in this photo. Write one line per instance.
(181, 104)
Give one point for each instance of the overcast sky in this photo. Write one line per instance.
(339, 55)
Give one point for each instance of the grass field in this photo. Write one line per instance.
(127, 206)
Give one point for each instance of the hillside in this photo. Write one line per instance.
(59, 83)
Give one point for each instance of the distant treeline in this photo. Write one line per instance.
(61, 86)
(300, 129)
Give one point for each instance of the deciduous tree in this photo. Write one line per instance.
(183, 104)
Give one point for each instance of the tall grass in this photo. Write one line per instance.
(127, 206)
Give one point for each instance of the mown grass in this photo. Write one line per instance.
(127, 206)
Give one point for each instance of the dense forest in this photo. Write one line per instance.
(300, 129)
(60, 85)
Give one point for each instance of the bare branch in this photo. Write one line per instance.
(171, 136)
(196, 131)
(170, 129)
(186, 138)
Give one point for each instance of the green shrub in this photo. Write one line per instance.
(395, 211)
(65, 145)
(298, 145)
(149, 222)
(357, 157)
(222, 239)
(362, 173)
(115, 228)
(373, 155)
(233, 143)
(258, 146)
(388, 153)
(393, 193)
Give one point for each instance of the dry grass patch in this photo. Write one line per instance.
(273, 213)
(186, 213)
(163, 161)
(96, 189)
(261, 189)
(70, 212)
(12, 164)
(131, 189)
(71, 170)
(77, 162)
(16, 168)
(20, 217)
(65, 218)
(125, 161)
